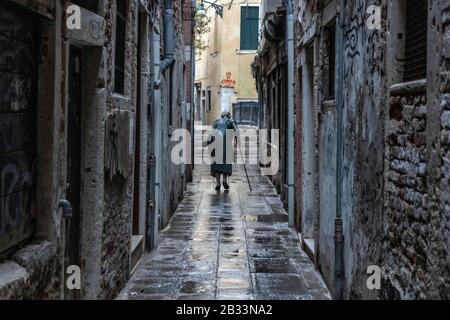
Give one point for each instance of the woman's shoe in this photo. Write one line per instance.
(218, 188)
(226, 186)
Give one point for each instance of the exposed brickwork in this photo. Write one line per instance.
(407, 217)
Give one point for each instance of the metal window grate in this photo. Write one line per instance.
(209, 100)
(246, 113)
(119, 70)
(331, 51)
(90, 5)
(416, 40)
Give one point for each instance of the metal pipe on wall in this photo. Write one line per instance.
(290, 114)
(157, 137)
(169, 36)
(338, 228)
(193, 104)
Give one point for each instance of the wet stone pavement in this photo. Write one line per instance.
(230, 245)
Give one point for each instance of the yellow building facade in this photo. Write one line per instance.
(223, 75)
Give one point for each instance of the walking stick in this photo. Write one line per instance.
(243, 161)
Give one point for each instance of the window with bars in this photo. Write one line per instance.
(416, 40)
(331, 52)
(119, 65)
(90, 5)
(204, 100)
(209, 100)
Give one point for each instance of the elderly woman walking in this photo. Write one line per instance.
(223, 166)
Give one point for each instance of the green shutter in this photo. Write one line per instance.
(249, 28)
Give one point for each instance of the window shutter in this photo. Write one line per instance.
(249, 27)
(416, 40)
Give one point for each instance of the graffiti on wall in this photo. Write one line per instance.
(18, 62)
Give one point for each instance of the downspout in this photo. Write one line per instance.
(157, 136)
(160, 67)
(169, 37)
(338, 224)
(290, 113)
(193, 92)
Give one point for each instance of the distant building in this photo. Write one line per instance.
(223, 75)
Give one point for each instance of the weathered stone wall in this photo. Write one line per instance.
(33, 270)
(36, 271)
(395, 167)
(118, 211)
(363, 90)
(416, 249)
(444, 263)
(32, 273)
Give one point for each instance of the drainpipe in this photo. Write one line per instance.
(160, 67)
(157, 136)
(290, 113)
(338, 225)
(193, 93)
(169, 37)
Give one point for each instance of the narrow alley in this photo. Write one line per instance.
(119, 120)
(228, 245)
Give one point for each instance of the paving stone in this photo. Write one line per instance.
(280, 284)
(234, 282)
(275, 265)
(196, 287)
(227, 246)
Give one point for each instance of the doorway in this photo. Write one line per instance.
(198, 111)
(73, 186)
(298, 149)
(138, 219)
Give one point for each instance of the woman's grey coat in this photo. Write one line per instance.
(220, 128)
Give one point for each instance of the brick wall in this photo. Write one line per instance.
(407, 218)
